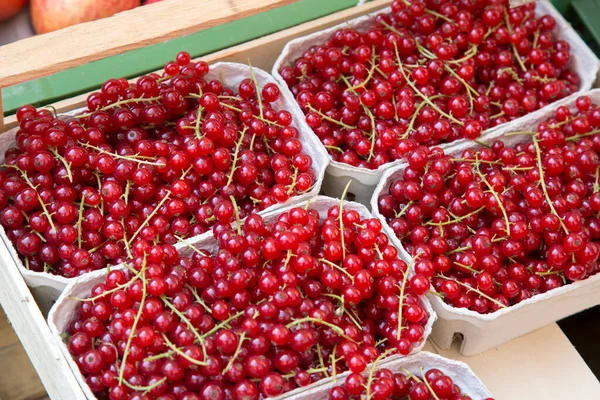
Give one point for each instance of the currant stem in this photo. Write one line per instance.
(236, 354)
(64, 162)
(80, 220)
(483, 178)
(235, 156)
(135, 322)
(342, 218)
(134, 158)
(538, 156)
(401, 300)
(238, 222)
(120, 103)
(144, 389)
(178, 351)
(421, 95)
(159, 205)
(328, 118)
(257, 88)
(31, 185)
(187, 322)
(342, 270)
(470, 288)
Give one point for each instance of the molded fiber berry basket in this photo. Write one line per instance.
(65, 308)
(481, 332)
(461, 374)
(47, 287)
(337, 175)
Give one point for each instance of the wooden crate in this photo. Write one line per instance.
(540, 365)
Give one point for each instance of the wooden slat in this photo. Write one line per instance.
(43, 55)
(540, 365)
(33, 331)
(262, 52)
(18, 380)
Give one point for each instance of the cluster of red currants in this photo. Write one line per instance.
(148, 162)
(383, 384)
(501, 224)
(275, 307)
(429, 72)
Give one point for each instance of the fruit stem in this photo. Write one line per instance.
(187, 322)
(421, 95)
(401, 300)
(257, 88)
(238, 222)
(134, 158)
(235, 156)
(428, 385)
(457, 219)
(64, 162)
(483, 178)
(31, 185)
(538, 156)
(577, 137)
(80, 220)
(369, 75)
(135, 322)
(342, 217)
(328, 118)
(178, 351)
(222, 324)
(144, 389)
(372, 371)
(236, 354)
(120, 103)
(198, 299)
(159, 205)
(474, 290)
(333, 327)
(333, 265)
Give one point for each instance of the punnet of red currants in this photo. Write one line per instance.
(276, 306)
(498, 225)
(382, 384)
(149, 162)
(428, 72)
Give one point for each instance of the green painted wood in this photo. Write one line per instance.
(87, 77)
(561, 5)
(588, 12)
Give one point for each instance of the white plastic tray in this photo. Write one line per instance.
(481, 332)
(337, 175)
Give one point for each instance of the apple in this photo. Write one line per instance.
(51, 15)
(10, 8)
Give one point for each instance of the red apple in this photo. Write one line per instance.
(10, 8)
(51, 15)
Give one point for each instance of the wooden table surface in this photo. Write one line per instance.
(541, 365)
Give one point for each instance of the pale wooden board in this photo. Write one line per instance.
(29, 323)
(540, 365)
(18, 380)
(43, 55)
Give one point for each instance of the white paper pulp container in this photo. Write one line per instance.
(583, 61)
(461, 375)
(66, 307)
(47, 287)
(481, 332)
